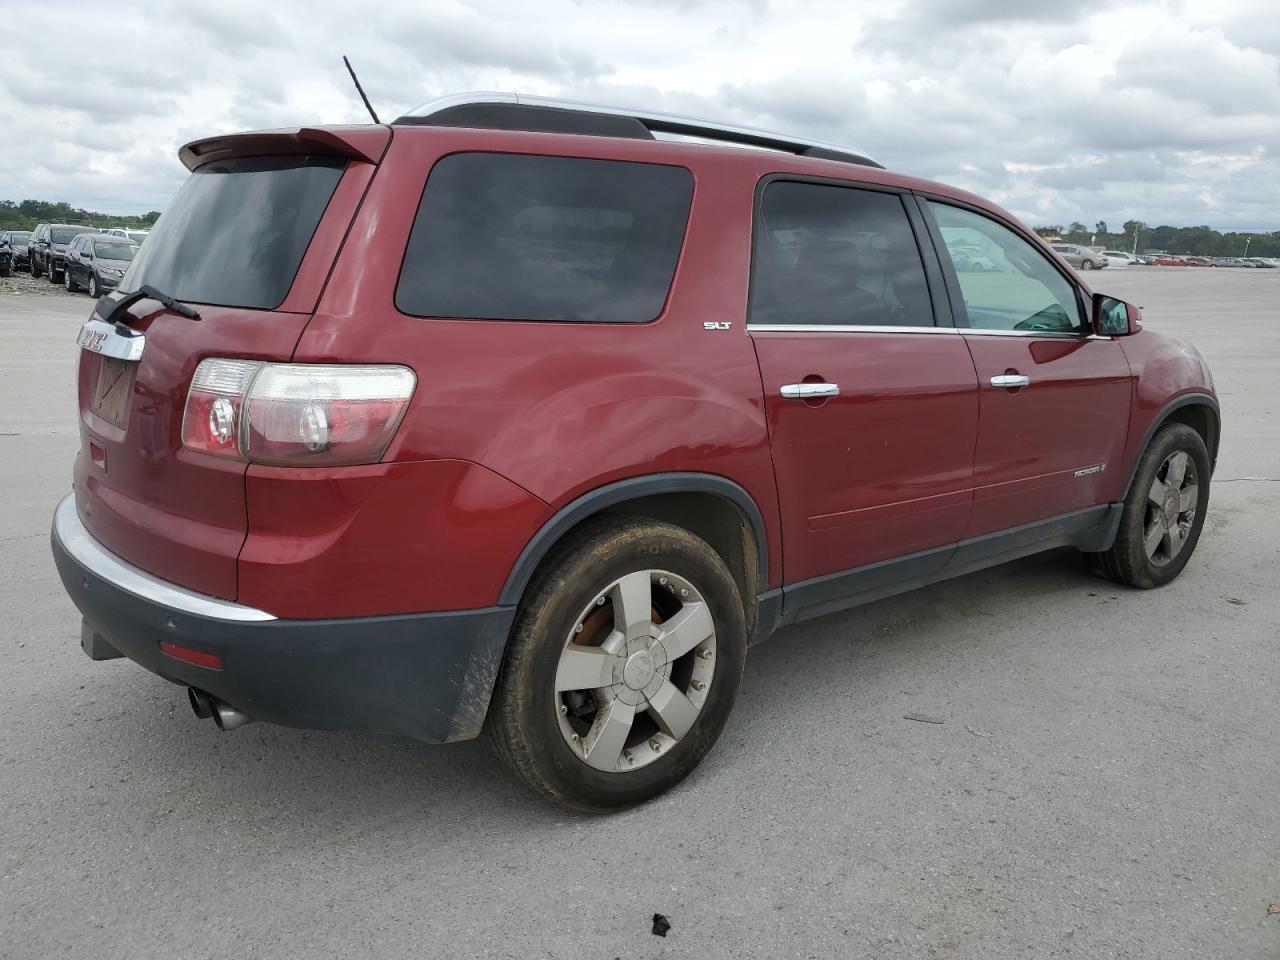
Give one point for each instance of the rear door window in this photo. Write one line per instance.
(236, 232)
(518, 237)
(836, 256)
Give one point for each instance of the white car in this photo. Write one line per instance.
(1118, 258)
(137, 236)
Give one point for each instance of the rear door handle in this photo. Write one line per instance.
(809, 391)
(1010, 380)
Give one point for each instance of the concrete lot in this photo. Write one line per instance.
(1106, 782)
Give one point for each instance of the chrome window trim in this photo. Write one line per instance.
(976, 331)
(843, 328)
(72, 534)
(706, 128)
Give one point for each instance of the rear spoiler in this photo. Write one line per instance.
(366, 143)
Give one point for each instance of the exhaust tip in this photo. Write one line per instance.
(202, 705)
(228, 717)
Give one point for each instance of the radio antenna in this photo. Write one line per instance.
(360, 90)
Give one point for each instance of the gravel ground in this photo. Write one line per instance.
(1104, 782)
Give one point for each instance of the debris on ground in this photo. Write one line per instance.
(660, 925)
(1273, 908)
(978, 733)
(922, 718)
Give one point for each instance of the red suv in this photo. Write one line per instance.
(513, 415)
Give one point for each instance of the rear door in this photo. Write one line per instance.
(1055, 398)
(872, 408)
(248, 242)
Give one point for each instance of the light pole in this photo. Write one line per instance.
(1246, 245)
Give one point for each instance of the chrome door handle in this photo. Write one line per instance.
(809, 391)
(1010, 380)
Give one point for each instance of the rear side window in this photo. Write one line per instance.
(516, 237)
(236, 232)
(836, 256)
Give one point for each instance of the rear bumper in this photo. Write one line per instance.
(427, 676)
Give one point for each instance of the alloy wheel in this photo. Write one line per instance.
(1171, 508)
(635, 671)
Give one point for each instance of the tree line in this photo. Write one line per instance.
(1193, 241)
(25, 215)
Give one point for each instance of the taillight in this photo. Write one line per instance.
(295, 414)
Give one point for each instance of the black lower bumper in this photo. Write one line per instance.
(427, 676)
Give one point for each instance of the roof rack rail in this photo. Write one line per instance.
(512, 111)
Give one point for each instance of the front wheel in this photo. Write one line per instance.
(35, 271)
(67, 282)
(1086, 264)
(94, 291)
(1163, 513)
(53, 274)
(622, 667)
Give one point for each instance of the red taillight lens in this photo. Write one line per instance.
(296, 414)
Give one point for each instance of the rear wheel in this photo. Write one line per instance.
(622, 668)
(1163, 513)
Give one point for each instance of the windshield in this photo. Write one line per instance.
(236, 232)
(19, 237)
(114, 251)
(67, 234)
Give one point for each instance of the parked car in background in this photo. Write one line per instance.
(1263, 262)
(1198, 261)
(18, 241)
(1082, 258)
(127, 233)
(315, 487)
(1168, 260)
(96, 262)
(6, 256)
(1118, 258)
(1232, 262)
(49, 246)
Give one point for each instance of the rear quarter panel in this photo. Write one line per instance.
(563, 408)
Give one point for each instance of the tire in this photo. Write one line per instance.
(53, 274)
(1131, 559)
(71, 285)
(94, 290)
(1086, 264)
(35, 271)
(577, 602)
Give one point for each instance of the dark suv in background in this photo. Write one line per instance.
(512, 415)
(16, 243)
(49, 247)
(95, 262)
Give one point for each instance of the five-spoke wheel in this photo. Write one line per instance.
(622, 667)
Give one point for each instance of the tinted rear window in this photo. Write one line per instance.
(236, 232)
(514, 237)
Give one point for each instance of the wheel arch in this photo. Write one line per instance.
(710, 506)
(1199, 411)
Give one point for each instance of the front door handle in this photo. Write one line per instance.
(809, 391)
(1010, 380)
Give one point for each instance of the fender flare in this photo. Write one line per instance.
(1162, 416)
(632, 488)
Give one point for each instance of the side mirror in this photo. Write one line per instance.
(1115, 318)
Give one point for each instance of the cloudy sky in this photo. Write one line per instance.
(1168, 112)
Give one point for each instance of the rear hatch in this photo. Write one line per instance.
(247, 243)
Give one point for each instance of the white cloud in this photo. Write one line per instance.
(1164, 110)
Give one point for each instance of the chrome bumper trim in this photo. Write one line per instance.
(89, 553)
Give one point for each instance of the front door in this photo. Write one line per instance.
(872, 409)
(1055, 398)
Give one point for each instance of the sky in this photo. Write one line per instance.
(1166, 112)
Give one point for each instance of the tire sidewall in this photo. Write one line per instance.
(1170, 439)
(543, 627)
